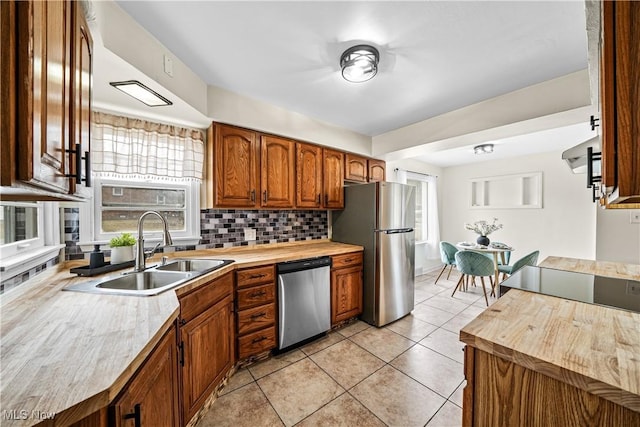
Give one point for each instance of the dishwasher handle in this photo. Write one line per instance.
(303, 264)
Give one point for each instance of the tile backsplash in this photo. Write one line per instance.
(219, 228)
(225, 227)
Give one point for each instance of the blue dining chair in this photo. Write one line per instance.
(448, 257)
(473, 264)
(529, 259)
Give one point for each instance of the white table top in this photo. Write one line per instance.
(480, 248)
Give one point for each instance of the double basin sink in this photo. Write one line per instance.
(154, 280)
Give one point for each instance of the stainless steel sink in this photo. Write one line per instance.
(193, 265)
(152, 281)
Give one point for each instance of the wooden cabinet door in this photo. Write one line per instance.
(355, 168)
(81, 105)
(277, 183)
(43, 98)
(333, 171)
(346, 293)
(236, 166)
(151, 398)
(308, 176)
(377, 169)
(207, 346)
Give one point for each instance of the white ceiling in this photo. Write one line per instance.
(557, 139)
(435, 56)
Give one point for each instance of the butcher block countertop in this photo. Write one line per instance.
(69, 354)
(593, 348)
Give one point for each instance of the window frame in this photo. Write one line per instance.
(189, 236)
(8, 250)
(425, 204)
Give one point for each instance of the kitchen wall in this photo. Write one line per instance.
(617, 238)
(565, 226)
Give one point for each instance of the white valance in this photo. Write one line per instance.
(137, 149)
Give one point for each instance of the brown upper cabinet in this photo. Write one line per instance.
(235, 166)
(355, 168)
(333, 168)
(377, 169)
(362, 169)
(278, 172)
(80, 136)
(620, 101)
(255, 170)
(308, 176)
(48, 83)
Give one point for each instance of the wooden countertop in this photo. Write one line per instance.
(70, 353)
(591, 347)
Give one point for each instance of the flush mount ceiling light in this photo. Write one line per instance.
(483, 149)
(359, 63)
(142, 93)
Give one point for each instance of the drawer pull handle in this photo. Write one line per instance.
(258, 315)
(257, 294)
(257, 340)
(348, 259)
(257, 276)
(135, 415)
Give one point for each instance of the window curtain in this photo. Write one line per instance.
(433, 223)
(123, 147)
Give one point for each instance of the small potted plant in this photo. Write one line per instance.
(122, 248)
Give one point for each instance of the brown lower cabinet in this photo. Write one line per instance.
(151, 397)
(503, 393)
(256, 301)
(206, 344)
(346, 287)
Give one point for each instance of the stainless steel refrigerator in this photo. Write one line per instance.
(380, 216)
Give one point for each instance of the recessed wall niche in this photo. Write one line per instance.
(517, 191)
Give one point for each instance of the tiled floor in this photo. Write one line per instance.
(408, 373)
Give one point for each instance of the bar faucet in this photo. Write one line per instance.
(166, 239)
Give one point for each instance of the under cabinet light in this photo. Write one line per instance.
(142, 93)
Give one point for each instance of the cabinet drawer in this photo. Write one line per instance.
(256, 295)
(198, 300)
(256, 342)
(255, 276)
(256, 318)
(347, 260)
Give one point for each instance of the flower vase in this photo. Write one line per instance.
(121, 254)
(483, 241)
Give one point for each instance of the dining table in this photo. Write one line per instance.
(495, 251)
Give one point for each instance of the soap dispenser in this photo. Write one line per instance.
(96, 257)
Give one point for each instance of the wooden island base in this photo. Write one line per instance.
(503, 393)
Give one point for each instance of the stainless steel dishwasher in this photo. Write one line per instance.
(304, 300)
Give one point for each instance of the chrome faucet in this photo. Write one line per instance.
(166, 239)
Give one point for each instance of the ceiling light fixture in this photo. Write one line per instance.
(359, 63)
(483, 149)
(142, 93)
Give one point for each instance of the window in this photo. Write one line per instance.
(140, 166)
(421, 227)
(119, 204)
(21, 227)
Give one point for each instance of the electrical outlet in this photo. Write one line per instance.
(168, 66)
(633, 288)
(249, 234)
(634, 217)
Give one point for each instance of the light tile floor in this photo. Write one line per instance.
(408, 373)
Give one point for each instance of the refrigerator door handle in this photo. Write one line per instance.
(395, 231)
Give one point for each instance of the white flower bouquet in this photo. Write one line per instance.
(483, 228)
